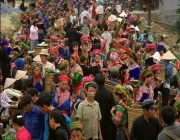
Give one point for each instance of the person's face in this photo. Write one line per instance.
(34, 99)
(37, 71)
(91, 92)
(157, 74)
(1, 88)
(51, 122)
(14, 125)
(54, 54)
(150, 112)
(161, 52)
(131, 60)
(13, 58)
(126, 61)
(96, 58)
(76, 135)
(43, 109)
(72, 61)
(84, 47)
(75, 48)
(63, 85)
(159, 39)
(95, 34)
(149, 80)
(28, 107)
(84, 20)
(43, 58)
(136, 91)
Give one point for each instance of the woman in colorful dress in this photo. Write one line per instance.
(134, 69)
(146, 91)
(61, 95)
(37, 78)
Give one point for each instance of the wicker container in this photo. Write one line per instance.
(112, 25)
(162, 73)
(133, 112)
(49, 77)
(73, 114)
(14, 109)
(29, 71)
(37, 50)
(100, 18)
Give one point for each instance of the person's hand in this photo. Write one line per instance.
(100, 137)
(41, 82)
(113, 109)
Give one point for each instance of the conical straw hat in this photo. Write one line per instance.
(37, 58)
(112, 18)
(119, 19)
(168, 56)
(157, 56)
(20, 74)
(8, 82)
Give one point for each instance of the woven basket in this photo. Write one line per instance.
(100, 18)
(111, 88)
(112, 25)
(73, 118)
(29, 71)
(133, 112)
(37, 50)
(49, 77)
(162, 73)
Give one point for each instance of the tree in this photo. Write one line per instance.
(149, 4)
(176, 27)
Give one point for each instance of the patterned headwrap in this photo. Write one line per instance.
(84, 38)
(177, 106)
(146, 73)
(96, 30)
(77, 78)
(64, 78)
(63, 65)
(123, 56)
(96, 51)
(86, 79)
(135, 83)
(155, 67)
(22, 37)
(113, 57)
(75, 57)
(127, 49)
(53, 38)
(16, 54)
(36, 64)
(76, 124)
(54, 49)
(133, 55)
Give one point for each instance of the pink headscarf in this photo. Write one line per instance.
(96, 51)
(86, 79)
(113, 57)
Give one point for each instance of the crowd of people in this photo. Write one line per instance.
(83, 46)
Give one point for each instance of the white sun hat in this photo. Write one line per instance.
(168, 56)
(9, 82)
(119, 19)
(20, 74)
(123, 14)
(112, 18)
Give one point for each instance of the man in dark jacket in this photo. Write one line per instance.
(106, 101)
(146, 126)
(4, 60)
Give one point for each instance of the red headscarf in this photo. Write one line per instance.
(54, 49)
(64, 78)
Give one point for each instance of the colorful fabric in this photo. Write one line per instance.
(155, 67)
(121, 117)
(77, 78)
(64, 78)
(134, 71)
(146, 73)
(76, 124)
(123, 56)
(135, 83)
(177, 106)
(146, 93)
(54, 49)
(84, 38)
(53, 38)
(75, 57)
(96, 51)
(133, 55)
(86, 79)
(120, 90)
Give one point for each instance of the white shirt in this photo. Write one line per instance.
(33, 33)
(108, 36)
(12, 92)
(84, 13)
(4, 101)
(71, 18)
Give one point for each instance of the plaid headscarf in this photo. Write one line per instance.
(76, 124)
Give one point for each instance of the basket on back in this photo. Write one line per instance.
(110, 86)
(49, 77)
(162, 73)
(73, 114)
(133, 112)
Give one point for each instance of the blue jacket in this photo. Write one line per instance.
(34, 123)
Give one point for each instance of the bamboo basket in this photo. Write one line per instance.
(49, 77)
(162, 73)
(111, 88)
(14, 109)
(37, 50)
(29, 71)
(73, 118)
(100, 18)
(133, 112)
(112, 25)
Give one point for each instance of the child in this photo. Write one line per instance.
(18, 125)
(75, 46)
(84, 51)
(61, 97)
(84, 68)
(9, 91)
(76, 131)
(90, 119)
(36, 78)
